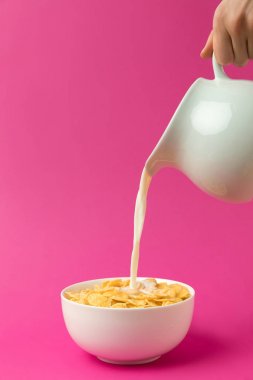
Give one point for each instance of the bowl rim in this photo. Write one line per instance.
(190, 288)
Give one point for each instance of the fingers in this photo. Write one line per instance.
(240, 50)
(207, 51)
(250, 47)
(250, 36)
(238, 34)
(232, 35)
(222, 45)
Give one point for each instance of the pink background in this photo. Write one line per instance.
(86, 90)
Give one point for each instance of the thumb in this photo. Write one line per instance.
(207, 51)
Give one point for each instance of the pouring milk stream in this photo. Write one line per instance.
(210, 139)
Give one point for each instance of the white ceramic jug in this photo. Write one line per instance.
(210, 137)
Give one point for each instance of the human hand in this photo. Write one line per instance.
(231, 39)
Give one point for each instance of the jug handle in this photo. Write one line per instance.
(218, 70)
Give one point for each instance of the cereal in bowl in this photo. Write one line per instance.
(117, 293)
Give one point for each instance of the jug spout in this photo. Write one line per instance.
(164, 153)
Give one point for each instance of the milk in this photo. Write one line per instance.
(139, 217)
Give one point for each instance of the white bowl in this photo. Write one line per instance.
(127, 336)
